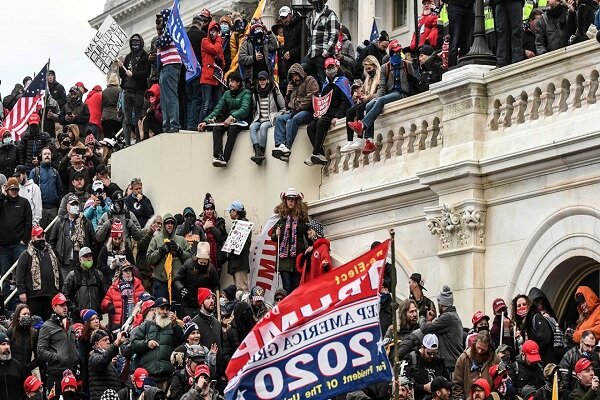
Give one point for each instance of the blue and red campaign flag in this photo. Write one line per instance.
(16, 120)
(321, 341)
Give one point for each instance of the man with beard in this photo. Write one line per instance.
(48, 179)
(210, 327)
(75, 111)
(416, 288)
(588, 382)
(441, 388)
(154, 341)
(196, 272)
(424, 365)
(528, 368)
(32, 141)
(57, 345)
(474, 363)
(480, 390)
(587, 343)
(481, 322)
(12, 373)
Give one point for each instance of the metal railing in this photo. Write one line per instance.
(14, 266)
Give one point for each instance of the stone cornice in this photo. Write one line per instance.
(122, 10)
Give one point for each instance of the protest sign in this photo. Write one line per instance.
(106, 44)
(237, 237)
(321, 341)
(263, 262)
(321, 104)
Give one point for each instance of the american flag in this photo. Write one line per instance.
(16, 121)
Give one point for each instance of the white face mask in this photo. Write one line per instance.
(74, 209)
(223, 302)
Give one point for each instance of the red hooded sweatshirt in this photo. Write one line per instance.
(211, 52)
(94, 103)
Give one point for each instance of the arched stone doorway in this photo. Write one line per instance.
(562, 282)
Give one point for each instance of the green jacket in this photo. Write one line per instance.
(238, 105)
(583, 393)
(156, 361)
(154, 256)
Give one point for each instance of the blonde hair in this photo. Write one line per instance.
(113, 79)
(370, 85)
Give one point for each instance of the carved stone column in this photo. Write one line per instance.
(270, 13)
(366, 12)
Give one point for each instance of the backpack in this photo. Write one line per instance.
(36, 174)
(559, 336)
(414, 85)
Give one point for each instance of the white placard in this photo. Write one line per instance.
(106, 44)
(237, 237)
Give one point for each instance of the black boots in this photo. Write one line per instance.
(259, 154)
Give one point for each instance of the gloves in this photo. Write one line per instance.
(164, 249)
(174, 248)
(184, 292)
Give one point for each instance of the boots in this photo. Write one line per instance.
(259, 154)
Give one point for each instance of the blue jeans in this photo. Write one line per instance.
(9, 254)
(210, 98)
(194, 103)
(258, 133)
(374, 109)
(286, 127)
(169, 101)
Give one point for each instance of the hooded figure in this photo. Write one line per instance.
(94, 103)
(541, 326)
(75, 111)
(589, 313)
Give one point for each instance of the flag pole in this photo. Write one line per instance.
(417, 33)
(395, 319)
(45, 102)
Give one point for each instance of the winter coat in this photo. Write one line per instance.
(194, 234)
(340, 103)
(551, 30)
(423, 305)
(292, 43)
(112, 304)
(592, 322)
(386, 82)
(236, 104)
(211, 54)
(94, 213)
(276, 104)
(131, 226)
(428, 32)
(142, 209)
(82, 196)
(211, 332)
(110, 101)
(421, 371)
(48, 179)
(310, 265)
(58, 93)
(60, 239)
(31, 145)
(567, 363)
(449, 330)
(84, 288)
(347, 62)
(240, 262)
(156, 361)
(12, 376)
(247, 56)
(32, 193)
(15, 220)
(57, 347)
(154, 256)
(584, 393)
(81, 113)
(139, 65)
(94, 103)
(102, 373)
(9, 159)
(153, 94)
(465, 374)
(538, 328)
(196, 34)
(289, 264)
(191, 277)
(523, 374)
(24, 278)
(9, 101)
(299, 98)
(107, 262)
(23, 343)
(579, 21)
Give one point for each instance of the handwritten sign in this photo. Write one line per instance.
(237, 237)
(106, 44)
(321, 104)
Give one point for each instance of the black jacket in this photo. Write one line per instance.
(105, 258)
(15, 220)
(81, 113)
(584, 393)
(84, 289)
(12, 376)
(57, 347)
(24, 281)
(60, 238)
(339, 101)
(58, 93)
(524, 374)
(102, 373)
(292, 34)
(191, 277)
(140, 67)
(370, 50)
(211, 332)
(31, 145)
(9, 159)
(23, 342)
(179, 384)
(195, 34)
(142, 209)
(580, 20)
(422, 372)
(552, 30)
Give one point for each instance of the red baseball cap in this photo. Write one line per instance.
(81, 85)
(331, 61)
(478, 316)
(202, 369)
(59, 299)
(582, 364)
(394, 45)
(139, 375)
(498, 305)
(34, 119)
(531, 351)
(31, 384)
(37, 231)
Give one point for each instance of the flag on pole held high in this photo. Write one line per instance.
(182, 42)
(322, 340)
(340, 41)
(374, 31)
(17, 119)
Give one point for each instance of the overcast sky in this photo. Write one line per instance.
(35, 30)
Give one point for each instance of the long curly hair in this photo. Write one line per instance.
(299, 211)
(519, 321)
(402, 311)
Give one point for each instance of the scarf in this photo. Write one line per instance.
(77, 233)
(290, 238)
(36, 272)
(264, 92)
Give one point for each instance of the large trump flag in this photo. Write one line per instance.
(322, 340)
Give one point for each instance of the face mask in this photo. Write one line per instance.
(371, 73)
(74, 210)
(39, 244)
(396, 59)
(135, 45)
(25, 321)
(506, 359)
(522, 311)
(116, 208)
(222, 302)
(238, 26)
(7, 141)
(224, 28)
(483, 328)
(87, 264)
(213, 35)
(331, 73)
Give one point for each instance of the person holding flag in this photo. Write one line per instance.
(344, 51)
